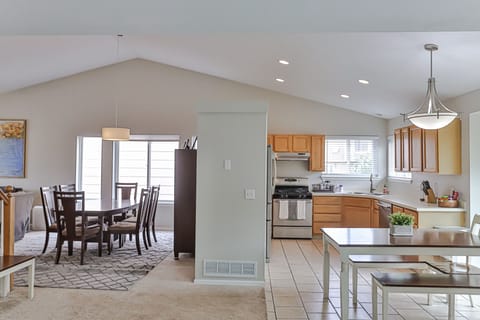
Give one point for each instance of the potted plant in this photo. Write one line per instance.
(401, 224)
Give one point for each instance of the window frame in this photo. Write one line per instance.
(351, 176)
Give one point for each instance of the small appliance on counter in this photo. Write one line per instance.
(323, 187)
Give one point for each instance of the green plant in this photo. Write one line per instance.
(401, 219)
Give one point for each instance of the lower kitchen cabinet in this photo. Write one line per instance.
(375, 218)
(407, 211)
(356, 212)
(327, 213)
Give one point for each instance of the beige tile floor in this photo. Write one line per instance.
(294, 289)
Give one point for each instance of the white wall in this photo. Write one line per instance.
(153, 99)
(474, 163)
(228, 226)
(442, 184)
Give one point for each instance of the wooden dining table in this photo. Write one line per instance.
(378, 241)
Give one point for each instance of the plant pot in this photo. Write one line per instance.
(397, 230)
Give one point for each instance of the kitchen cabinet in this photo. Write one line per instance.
(375, 217)
(413, 213)
(398, 149)
(405, 138)
(356, 212)
(317, 154)
(327, 213)
(269, 140)
(416, 149)
(435, 151)
(301, 143)
(282, 143)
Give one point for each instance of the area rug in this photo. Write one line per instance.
(117, 271)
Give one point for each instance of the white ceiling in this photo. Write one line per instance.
(323, 64)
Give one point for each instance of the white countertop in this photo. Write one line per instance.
(416, 205)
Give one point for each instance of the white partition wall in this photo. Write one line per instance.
(1, 227)
(474, 163)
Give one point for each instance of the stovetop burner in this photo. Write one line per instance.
(292, 192)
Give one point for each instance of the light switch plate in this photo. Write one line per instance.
(250, 194)
(227, 164)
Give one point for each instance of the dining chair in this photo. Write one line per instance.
(69, 206)
(123, 227)
(46, 194)
(125, 190)
(150, 221)
(71, 187)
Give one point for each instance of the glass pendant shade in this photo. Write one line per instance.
(115, 134)
(432, 113)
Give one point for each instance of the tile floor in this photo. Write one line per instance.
(294, 289)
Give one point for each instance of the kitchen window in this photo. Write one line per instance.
(353, 156)
(392, 174)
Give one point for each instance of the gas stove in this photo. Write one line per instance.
(291, 188)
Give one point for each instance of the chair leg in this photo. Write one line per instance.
(70, 248)
(145, 239)
(47, 236)
(137, 242)
(147, 230)
(82, 251)
(153, 232)
(471, 301)
(59, 250)
(100, 240)
(110, 243)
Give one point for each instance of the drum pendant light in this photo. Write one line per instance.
(432, 113)
(116, 134)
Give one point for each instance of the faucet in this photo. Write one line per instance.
(371, 183)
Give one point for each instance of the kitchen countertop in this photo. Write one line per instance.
(416, 205)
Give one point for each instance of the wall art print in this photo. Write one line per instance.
(12, 148)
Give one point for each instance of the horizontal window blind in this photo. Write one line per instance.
(90, 166)
(353, 156)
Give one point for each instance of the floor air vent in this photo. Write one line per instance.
(221, 268)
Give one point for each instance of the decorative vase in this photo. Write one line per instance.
(401, 230)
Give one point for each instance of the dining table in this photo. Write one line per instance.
(378, 241)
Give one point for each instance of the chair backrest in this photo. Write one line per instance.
(155, 192)
(126, 190)
(68, 205)
(48, 204)
(143, 208)
(67, 187)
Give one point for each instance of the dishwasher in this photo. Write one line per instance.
(384, 210)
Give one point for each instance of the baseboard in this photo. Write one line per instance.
(229, 282)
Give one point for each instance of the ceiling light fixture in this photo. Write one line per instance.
(116, 134)
(345, 96)
(280, 80)
(283, 62)
(362, 81)
(432, 113)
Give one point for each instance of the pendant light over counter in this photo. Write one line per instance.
(110, 133)
(432, 113)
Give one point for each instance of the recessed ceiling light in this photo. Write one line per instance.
(362, 81)
(283, 61)
(279, 80)
(345, 96)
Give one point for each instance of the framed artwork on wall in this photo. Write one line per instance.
(13, 134)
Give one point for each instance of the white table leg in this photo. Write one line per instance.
(326, 269)
(385, 303)
(374, 300)
(451, 306)
(4, 285)
(344, 287)
(354, 283)
(31, 279)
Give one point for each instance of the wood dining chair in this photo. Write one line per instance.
(123, 227)
(125, 190)
(69, 206)
(150, 221)
(46, 194)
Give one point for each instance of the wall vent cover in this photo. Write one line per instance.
(224, 268)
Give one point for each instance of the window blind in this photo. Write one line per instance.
(352, 156)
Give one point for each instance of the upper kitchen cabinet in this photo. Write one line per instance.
(317, 155)
(282, 143)
(291, 143)
(269, 140)
(435, 151)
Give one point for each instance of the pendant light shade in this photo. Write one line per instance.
(116, 134)
(432, 113)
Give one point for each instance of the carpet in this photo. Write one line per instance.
(118, 271)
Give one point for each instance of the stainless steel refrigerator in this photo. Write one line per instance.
(270, 185)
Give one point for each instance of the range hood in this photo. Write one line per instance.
(283, 156)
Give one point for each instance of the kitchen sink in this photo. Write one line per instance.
(368, 193)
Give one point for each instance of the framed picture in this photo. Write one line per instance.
(13, 134)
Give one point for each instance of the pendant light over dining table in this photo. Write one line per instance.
(432, 113)
(116, 133)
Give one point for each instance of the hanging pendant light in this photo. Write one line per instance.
(116, 134)
(432, 113)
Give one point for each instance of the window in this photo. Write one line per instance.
(148, 163)
(391, 163)
(89, 166)
(351, 156)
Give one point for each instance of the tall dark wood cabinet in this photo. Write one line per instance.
(185, 200)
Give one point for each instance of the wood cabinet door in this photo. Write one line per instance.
(430, 150)
(374, 221)
(398, 150)
(397, 208)
(300, 143)
(416, 149)
(415, 216)
(317, 154)
(356, 217)
(269, 140)
(405, 136)
(282, 143)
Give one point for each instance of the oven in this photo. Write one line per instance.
(292, 209)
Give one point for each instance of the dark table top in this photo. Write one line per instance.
(380, 237)
(108, 206)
